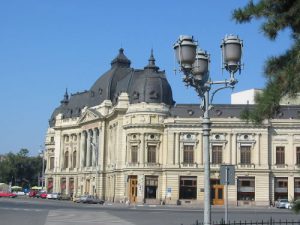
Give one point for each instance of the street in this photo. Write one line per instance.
(27, 211)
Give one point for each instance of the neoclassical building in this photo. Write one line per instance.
(126, 139)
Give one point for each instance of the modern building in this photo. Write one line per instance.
(126, 139)
(245, 97)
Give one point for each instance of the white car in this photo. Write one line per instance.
(53, 195)
(282, 203)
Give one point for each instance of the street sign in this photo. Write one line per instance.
(227, 174)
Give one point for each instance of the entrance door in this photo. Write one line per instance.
(132, 189)
(217, 194)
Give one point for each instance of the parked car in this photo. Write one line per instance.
(64, 197)
(282, 203)
(76, 198)
(19, 193)
(43, 195)
(7, 194)
(54, 195)
(39, 193)
(90, 199)
(32, 193)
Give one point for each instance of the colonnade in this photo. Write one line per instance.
(89, 148)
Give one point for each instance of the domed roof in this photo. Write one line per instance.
(149, 85)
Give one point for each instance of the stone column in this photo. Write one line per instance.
(78, 155)
(62, 147)
(234, 147)
(142, 150)
(94, 147)
(82, 149)
(177, 148)
(88, 148)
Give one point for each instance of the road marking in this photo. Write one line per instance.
(76, 217)
(22, 209)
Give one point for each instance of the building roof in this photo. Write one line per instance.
(148, 85)
(230, 111)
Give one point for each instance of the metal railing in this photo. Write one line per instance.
(262, 222)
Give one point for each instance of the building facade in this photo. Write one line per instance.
(126, 139)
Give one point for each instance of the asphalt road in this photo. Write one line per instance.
(25, 211)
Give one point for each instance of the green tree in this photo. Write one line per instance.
(20, 169)
(296, 207)
(283, 71)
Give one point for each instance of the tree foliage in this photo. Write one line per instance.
(20, 169)
(282, 72)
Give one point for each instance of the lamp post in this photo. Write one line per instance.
(195, 66)
(42, 152)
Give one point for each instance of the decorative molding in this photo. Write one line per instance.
(89, 115)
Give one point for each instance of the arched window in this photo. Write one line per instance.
(66, 162)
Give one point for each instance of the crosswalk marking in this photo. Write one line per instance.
(76, 217)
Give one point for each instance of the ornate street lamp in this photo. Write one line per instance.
(195, 66)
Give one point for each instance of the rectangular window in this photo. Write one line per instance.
(151, 154)
(188, 154)
(134, 154)
(51, 163)
(297, 188)
(280, 160)
(246, 155)
(188, 188)
(151, 184)
(246, 188)
(281, 187)
(298, 155)
(216, 155)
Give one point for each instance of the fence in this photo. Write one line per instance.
(268, 222)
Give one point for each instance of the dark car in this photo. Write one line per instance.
(90, 199)
(64, 197)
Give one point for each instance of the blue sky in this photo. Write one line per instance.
(48, 46)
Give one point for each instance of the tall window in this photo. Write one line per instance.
(188, 188)
(74, 159)
(297, 188)
(151, 154)
(246, 188)
(51, 163)
(216, 156)
(281, 187)
(188, 154)
(66, 161)
(298, 155)
(246, 155)
(134, 154)
(280, 160)
(151, 184)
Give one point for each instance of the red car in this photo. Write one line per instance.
(32, 193)
(7, 194)
(43, 195)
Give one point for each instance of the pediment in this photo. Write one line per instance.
(90, 115)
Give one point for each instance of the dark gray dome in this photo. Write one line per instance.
(149, 85)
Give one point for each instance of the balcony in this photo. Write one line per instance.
(133, 165)
(280, 166)
(152, 165)
(281, 190)
(189, 165)
(246, 166)
(246, 189)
